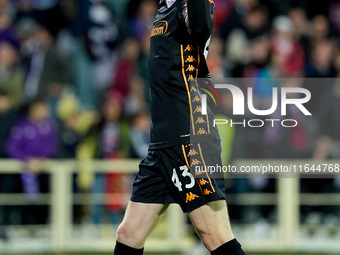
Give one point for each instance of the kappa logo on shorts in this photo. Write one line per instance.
(195, 162)
(203, 182)
(190, 197)
(192, 152)
(207, 192)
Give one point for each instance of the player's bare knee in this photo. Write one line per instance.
(121, 233)
(129, 236)
(124, 235)
(212, 238)
(211, 242)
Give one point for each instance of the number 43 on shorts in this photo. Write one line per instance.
(186, 174)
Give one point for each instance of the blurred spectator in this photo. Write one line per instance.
(234, 20)
(289, 53)
(11, 75)
(320, 65)
(253, 24)
(320, 28)
(259, 55)
(334, 17)
(44, 4)
(319, 32)
(25, 8)
(328, 145)
(140, 135)
(126, 67)
(69, 135)
(301, 24)
(105, 140)
(110, 145)
(142, 23)
(134, 101)
(73, 125)
(8, 116)
(32, 133)
(133, 6)
(96, 34)
(328, 142)
(25, 31)
(280, 142)
(33, 139)
(3, 4)
(222, 10)
(48, 70)
(43, 11)
(7, 33)
(143, 67)
(215, 58)
(9, 183)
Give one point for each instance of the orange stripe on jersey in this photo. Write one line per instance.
(188, 90)
(186, 161)
(198, 63)
(199, 147)
(185, 156)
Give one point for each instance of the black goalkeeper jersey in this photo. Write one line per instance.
(179, 41)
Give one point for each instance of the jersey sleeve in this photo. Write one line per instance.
(199, 17)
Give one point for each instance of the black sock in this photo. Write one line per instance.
(122, 249)
(232, 247)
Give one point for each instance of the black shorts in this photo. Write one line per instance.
(168, 175)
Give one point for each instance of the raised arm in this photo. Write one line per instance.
(200, 17)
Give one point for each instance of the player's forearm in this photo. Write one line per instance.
(200, 19)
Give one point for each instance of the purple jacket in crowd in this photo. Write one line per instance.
(32, 140)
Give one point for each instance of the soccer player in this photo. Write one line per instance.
(181, 136)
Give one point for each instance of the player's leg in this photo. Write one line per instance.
(139, 221)
(149, 201)
(212, 224)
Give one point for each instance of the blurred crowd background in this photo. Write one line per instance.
(74, 84)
